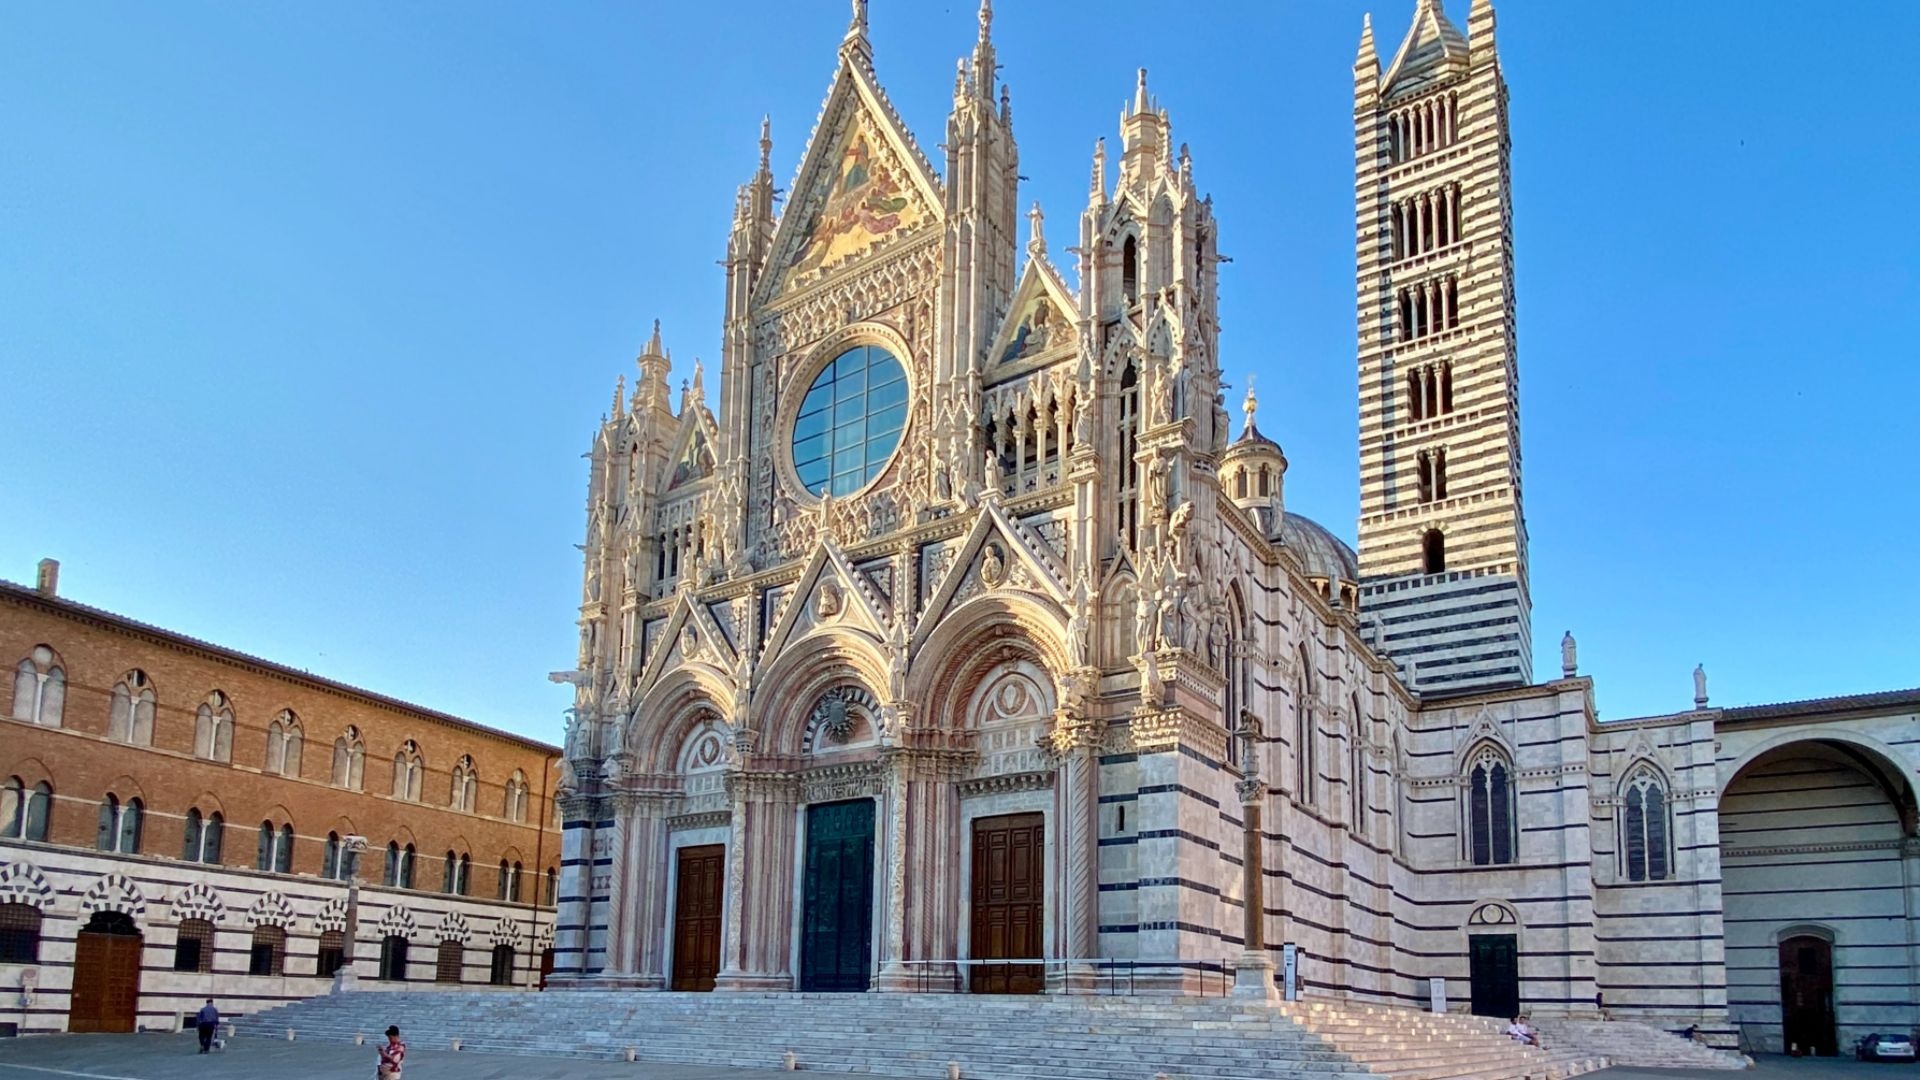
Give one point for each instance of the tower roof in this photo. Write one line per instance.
(1433, 46)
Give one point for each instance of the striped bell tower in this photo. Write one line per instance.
(1443, 540)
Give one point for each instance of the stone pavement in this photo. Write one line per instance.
(176, 1057)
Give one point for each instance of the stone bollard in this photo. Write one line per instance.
(456, 1046)
(953, 1070)
(289, 1034)
(789, 1062)
(230, 1031)
(633, 1054)
(359, 1038)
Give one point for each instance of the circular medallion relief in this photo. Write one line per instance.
(850, 421)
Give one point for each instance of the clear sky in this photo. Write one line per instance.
(307, 312)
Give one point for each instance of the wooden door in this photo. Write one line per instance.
(836, 920)
(106, 975)
(696, 917)
(1806, 996)
(1494, 971)
(1009, 903)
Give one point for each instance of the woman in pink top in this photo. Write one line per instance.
(391, 1055)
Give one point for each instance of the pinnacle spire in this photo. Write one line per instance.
(1250, 406)
(856, 43)
(699, 382)
(654, 347)
(1036, 235)
(619, 395)
(766, 144)
(1098, 186)
(1368, 55)
(1140, 94)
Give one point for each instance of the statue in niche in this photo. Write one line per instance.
(1083, 419)
(1161, 399)
(897, 661)
(1152, 691)
(1157, 485)
(994, 479)
(1144, 637)
(993, 565)
(1081, 622)
(1177, 529)
(827, 601)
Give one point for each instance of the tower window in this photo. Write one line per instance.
(1490, 810)
(1440, 473)
(1433, 552)
(1130, 270)
(1425, 473)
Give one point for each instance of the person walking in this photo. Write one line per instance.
(391, 1056)
(207, 1021)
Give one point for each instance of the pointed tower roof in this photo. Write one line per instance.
(1433, 46)
(1368, 57)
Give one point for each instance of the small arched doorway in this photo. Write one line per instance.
(393, 958)
(1806, 995)
(1493, 960)
(106, 974)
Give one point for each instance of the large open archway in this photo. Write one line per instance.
(1816, 870)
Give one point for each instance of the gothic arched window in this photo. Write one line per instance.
(39, 688)
(120, 825)
(130, 719)
(408, 771)
(284, 740)
(1643, 828)
(1489, 809)
(1130, 270)
(202, 837)
(466, 785)
(1357, 769)
(515, 803)
(213, 728)
(24, 811)
(349, 759)
(1306, 731)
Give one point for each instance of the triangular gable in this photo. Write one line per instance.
(689, 637)
(1433, 47)
(693, 448)
(997, 553)
(828, 593)
(862, 183)
(1040, 321)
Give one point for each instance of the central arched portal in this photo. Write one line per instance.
(836, 911)
(106, 975)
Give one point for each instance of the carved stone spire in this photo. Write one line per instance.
(1097, 187)
(1036, 235)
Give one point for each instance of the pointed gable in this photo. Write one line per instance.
(1434, 49)
(863, 185)
(693, 448)
(828, 594)
(997, 553)
(1040, 322)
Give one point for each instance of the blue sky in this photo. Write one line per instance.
(308, 311)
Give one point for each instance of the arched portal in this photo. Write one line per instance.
(106, 974)
(1815, 875)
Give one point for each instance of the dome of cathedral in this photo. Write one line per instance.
(1320, 552)
(1250, 440)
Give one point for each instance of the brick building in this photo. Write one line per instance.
(174, 819)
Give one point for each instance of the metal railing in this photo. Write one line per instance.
(1109, 976)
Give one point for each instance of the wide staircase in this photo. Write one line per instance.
(1639, 1045)
(989, 1037)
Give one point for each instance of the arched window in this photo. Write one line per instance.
(349, 760)
(515, 808)
(119, 825)
(269, 952)
(130, 718)
(213, 728)
(1433, 552)
(275, 851)
(1128, 487)
(503, 882)
(1424, 474)
(1130, 270)
(1357, 765)
(284, 740)
(331, 954)
(1643, 828)
(399, 865)
(1440, 473)
(24, 811)
(1306, 732)
(466, 786)
(203, 836)
(1446, 387)
(500, 972)
(393, 958)
(553, 886)
(408, 771)
(19, 934)
(40, 688)
(454, 878)
(448, 965)
(193, 946)
(1489, 809)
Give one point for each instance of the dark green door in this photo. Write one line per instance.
(1495, 973)
(836, 921)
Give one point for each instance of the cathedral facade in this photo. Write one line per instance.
(960, 644)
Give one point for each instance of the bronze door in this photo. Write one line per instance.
(1009, 903)
(1806, 996)
(696, 917)
(106, 975)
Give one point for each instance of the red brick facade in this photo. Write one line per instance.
(96, 651)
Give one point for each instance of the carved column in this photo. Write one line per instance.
(643, 949)
(1254, 977)
(896, 793)
(757, 933)
(616, 842)
(1076, 747)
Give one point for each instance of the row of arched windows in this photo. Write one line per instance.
(1429, 307)
(39, 697)
(1424, 223)
(1422, 127)
(1430, 391)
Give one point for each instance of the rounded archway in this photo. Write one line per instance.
(1813, 833)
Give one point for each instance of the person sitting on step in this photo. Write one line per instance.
(1522, 1032)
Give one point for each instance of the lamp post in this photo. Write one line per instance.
(351, 849)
